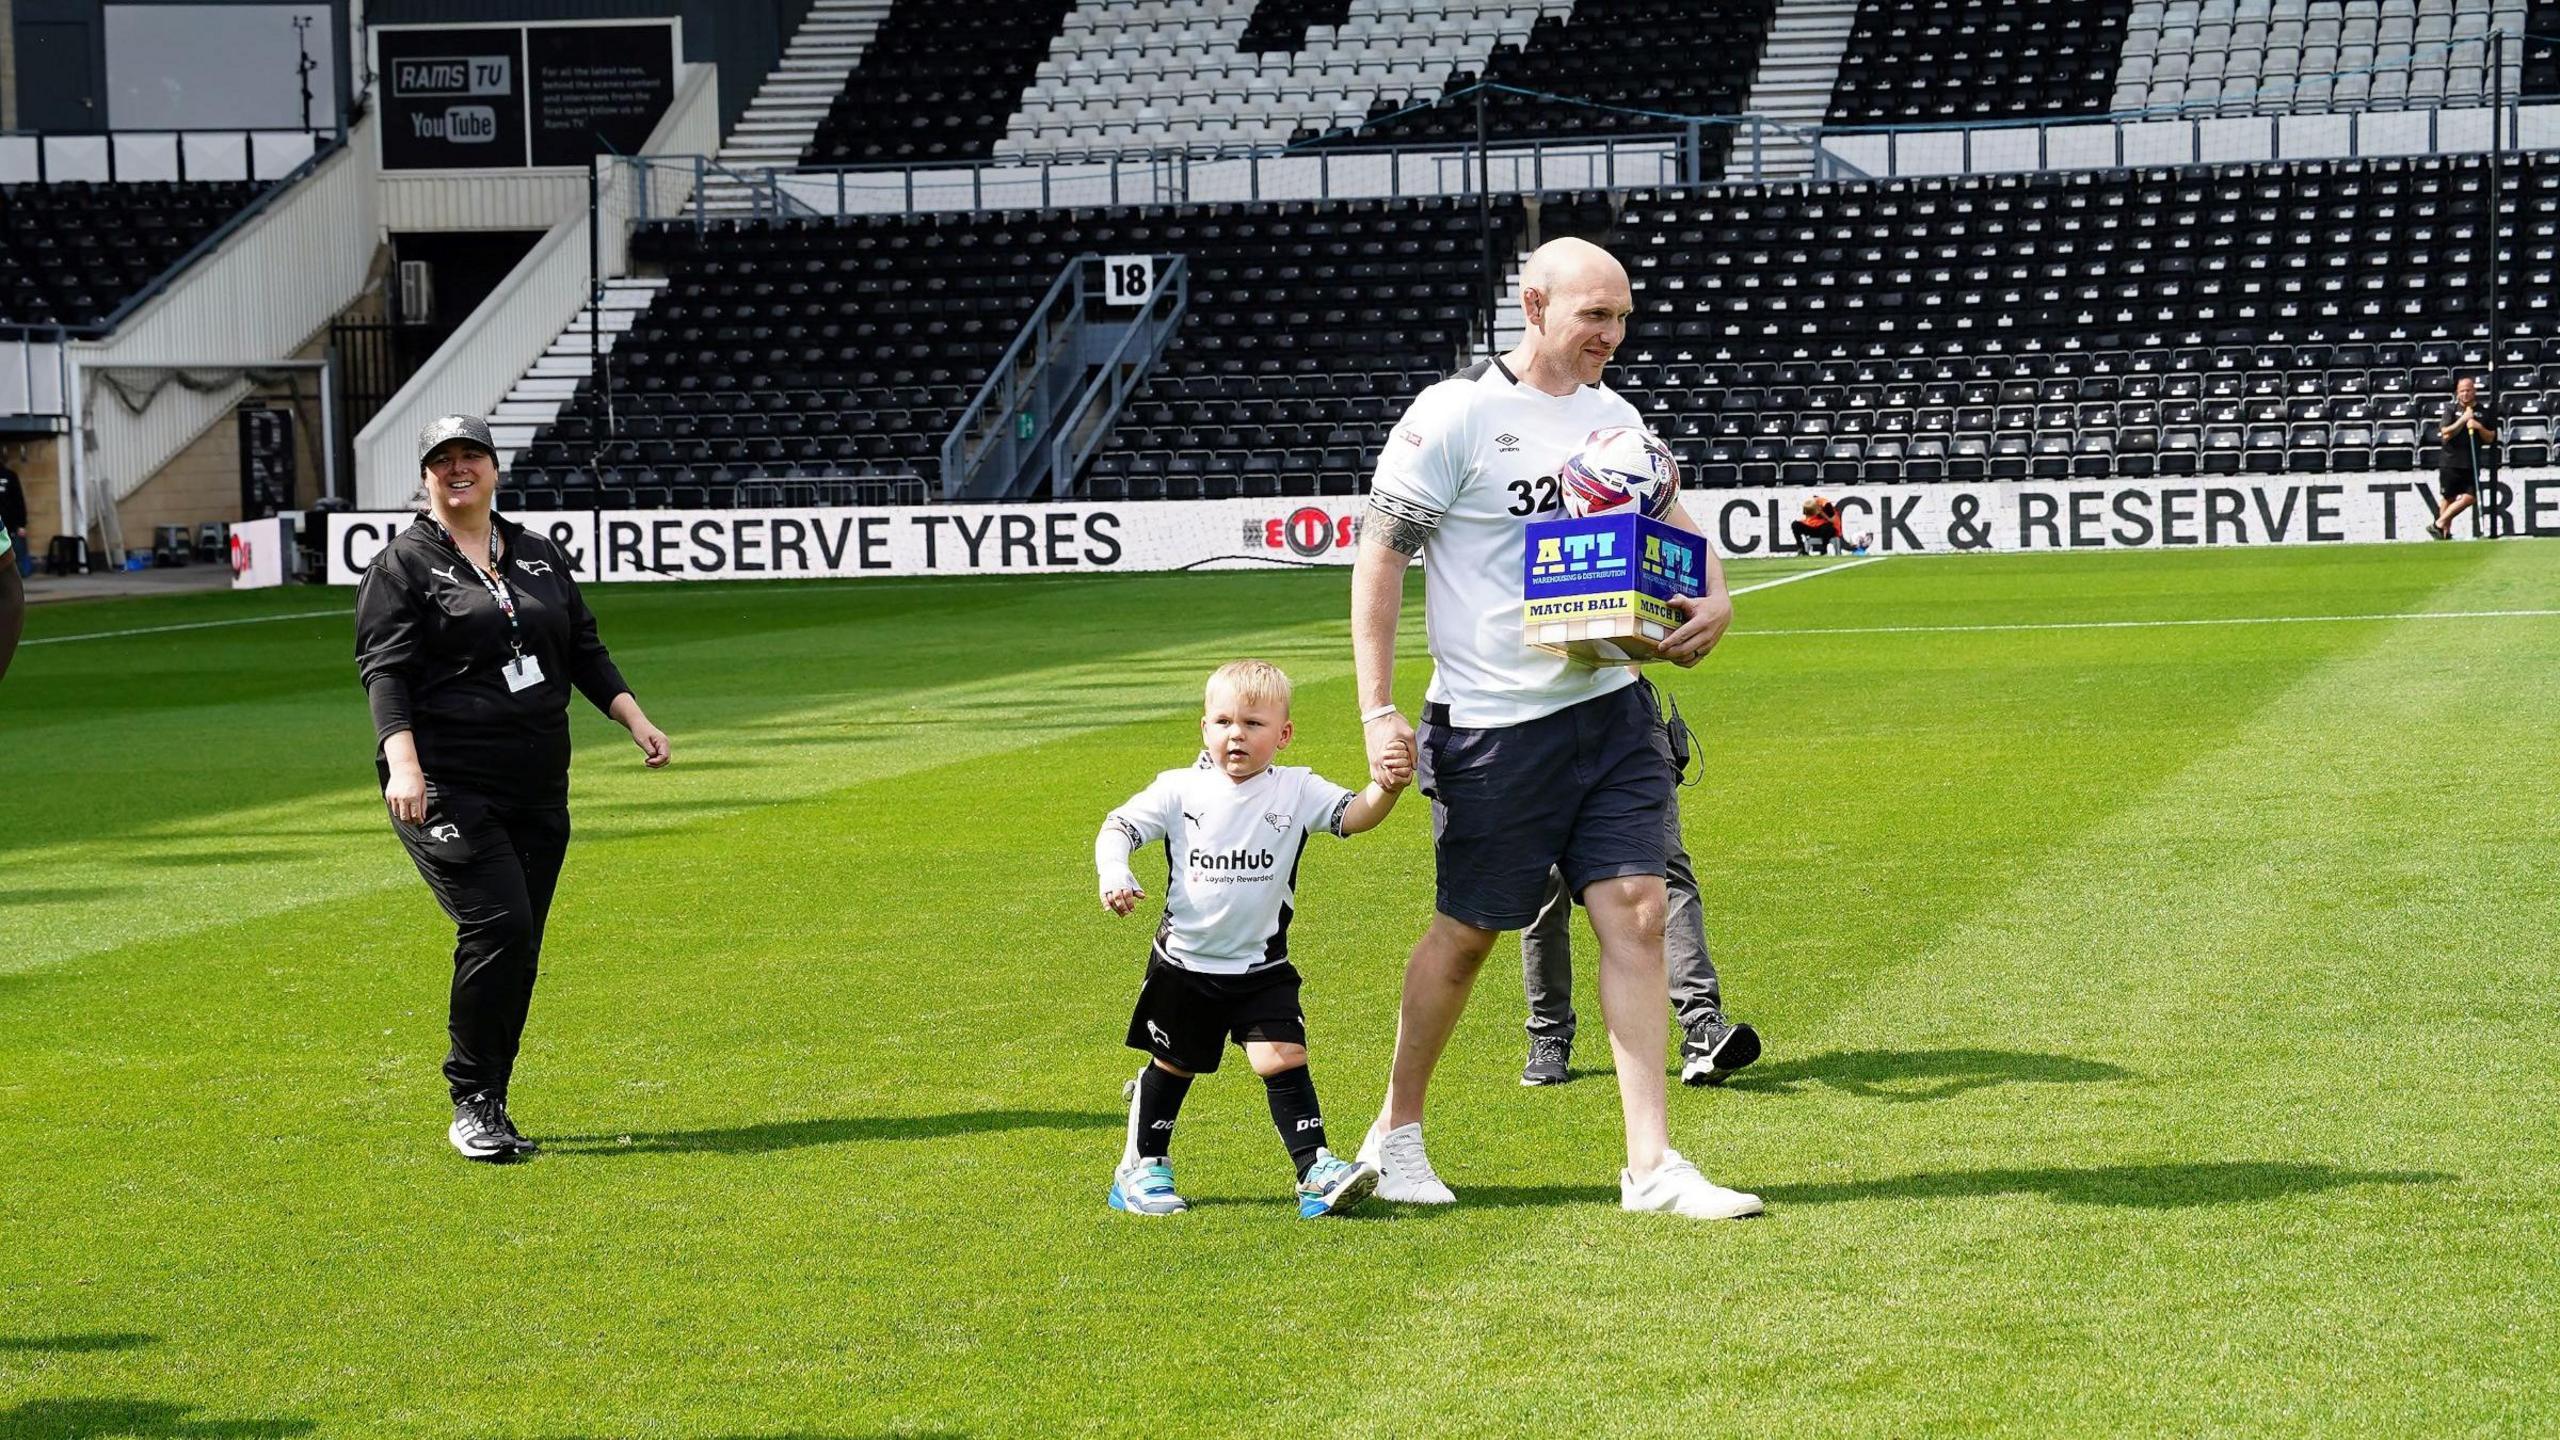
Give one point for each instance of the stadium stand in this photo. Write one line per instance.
(1212, 73)
(73, 252)
(938, 82)
(806, 349)
(1643, 60)
(2539, 71)
(2264, 317)
(2258, 57)
(1949, 60)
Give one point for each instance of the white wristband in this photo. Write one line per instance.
(1380, 712)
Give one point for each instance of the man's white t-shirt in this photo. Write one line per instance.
(1474, 460)
(1231, 853)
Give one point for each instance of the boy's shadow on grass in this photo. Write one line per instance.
(800, 1134)
(128, 1419)
(1905, 1076)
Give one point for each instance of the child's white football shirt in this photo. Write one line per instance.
(1231, 858)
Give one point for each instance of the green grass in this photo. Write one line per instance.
(2160, 1034)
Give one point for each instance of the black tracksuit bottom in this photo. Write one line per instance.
(493, 863)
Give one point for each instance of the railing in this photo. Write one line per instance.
(999, 430)
(124, 156)
(35, 370)
(2115, 144)
(1149, 331)
(1377, 172)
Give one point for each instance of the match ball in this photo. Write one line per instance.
(1623, 467)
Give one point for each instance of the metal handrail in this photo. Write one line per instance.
(1121, 373)
(960, 455)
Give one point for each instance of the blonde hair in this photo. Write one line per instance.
(1249, 681)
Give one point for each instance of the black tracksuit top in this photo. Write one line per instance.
(432, 647)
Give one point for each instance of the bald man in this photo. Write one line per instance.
(1533, 763)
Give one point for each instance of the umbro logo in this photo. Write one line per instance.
(1510, 443)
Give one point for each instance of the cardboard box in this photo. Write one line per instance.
(1598, 589)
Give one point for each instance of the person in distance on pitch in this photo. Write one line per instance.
(1532, 762)
(1819, 532)
(470, 635)
(13, 604)
(1234, 826)
(2470, 444)
(1711, 1047)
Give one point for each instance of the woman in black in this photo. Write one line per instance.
(469, 636)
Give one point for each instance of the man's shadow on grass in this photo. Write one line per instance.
(800, 1134)
(1906, 1076)
(130, 1419)
(2135, 1187)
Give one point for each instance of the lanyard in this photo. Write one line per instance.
(491, 581)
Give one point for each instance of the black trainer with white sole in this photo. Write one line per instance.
(515, 1137)
(479, 1130)
(1714, 1049)
(1550, 1061)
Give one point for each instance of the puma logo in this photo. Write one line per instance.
(446, 574)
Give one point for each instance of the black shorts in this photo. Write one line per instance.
(1586, 789)
(1185, 1018)
(2451, 483)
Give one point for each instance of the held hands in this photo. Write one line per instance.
(1390, 742)
(1708, 615)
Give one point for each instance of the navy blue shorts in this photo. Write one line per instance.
(1586, 789)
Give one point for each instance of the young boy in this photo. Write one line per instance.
(1233, 827)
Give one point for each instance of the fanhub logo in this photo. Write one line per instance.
(1236, 859)
(1310, 531)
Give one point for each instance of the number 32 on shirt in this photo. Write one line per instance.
(1536, 497)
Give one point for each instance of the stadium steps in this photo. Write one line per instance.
(1798, 69)
(567, 363)
(782, 119)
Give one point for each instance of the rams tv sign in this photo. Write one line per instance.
(1599, 588)
(501, 97)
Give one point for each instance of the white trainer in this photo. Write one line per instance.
(1676, 1188)
(1129, 1137)
(1404, 1172)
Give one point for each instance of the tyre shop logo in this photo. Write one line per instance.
(1308, 531)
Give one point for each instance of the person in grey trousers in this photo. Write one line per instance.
(1712, 1047)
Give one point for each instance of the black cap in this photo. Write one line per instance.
(451, 428)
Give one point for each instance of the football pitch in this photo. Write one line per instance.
(2155, 953)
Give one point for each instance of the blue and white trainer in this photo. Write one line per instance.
(1146, 1188)
(1334, 1185)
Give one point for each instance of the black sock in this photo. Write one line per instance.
(1293, 1110)
(1160, 1093)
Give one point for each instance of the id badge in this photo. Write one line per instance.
(523, 673)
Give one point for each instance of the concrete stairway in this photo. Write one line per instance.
(783, 118)
(554, 378)
(1797, 73)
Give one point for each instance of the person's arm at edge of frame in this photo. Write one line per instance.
(1369, 809)
(1377, 605)
(1709, 614)
(386, 641)
(13, 608)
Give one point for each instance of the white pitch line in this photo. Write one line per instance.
(2152, 624)
(196, 625)
(1804, 575)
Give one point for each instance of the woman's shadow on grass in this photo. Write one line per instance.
(2137, 1187)
(846, 1130)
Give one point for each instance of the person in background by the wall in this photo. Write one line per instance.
(13, 520)
(2470, 445)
